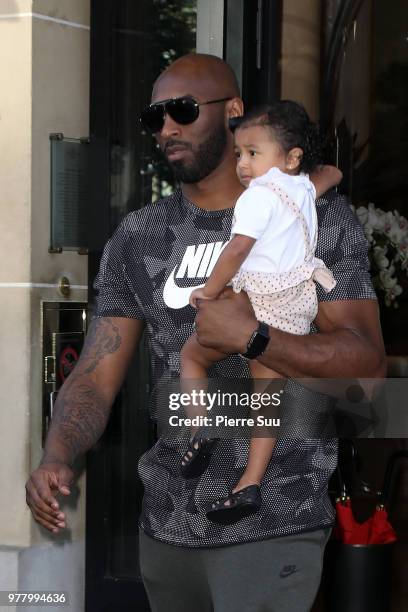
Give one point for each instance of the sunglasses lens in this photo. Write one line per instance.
(153, 118)
(183, 110)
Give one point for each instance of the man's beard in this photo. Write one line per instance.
(207, 157)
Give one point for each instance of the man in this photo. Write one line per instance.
(271, 560)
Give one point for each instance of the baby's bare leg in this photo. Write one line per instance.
(195, 361)
(260, 448)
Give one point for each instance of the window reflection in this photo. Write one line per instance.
(371, 101)
(147, 36)
(366, 105)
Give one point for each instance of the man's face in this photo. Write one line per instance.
(194, 150)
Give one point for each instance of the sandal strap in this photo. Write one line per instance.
(251, 494)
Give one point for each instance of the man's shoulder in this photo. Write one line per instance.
(335, 207)
(337, 221)
(335, 204)
(343, 247)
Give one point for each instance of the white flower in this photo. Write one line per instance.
(397, 290)
(387, 280)
(402, 221)
(362, 214)
(379, 218)
(375, 218)
(403, 252)
(368, 231)
(380, 258)
(390, 259)
(392, 294)
(394, 232)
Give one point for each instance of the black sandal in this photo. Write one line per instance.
(243, 503)
(198, 461)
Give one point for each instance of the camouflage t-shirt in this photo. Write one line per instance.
(148, 268)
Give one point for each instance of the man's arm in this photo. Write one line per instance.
(84, 401)
(349, 344)
(325, 178)
(81, 412)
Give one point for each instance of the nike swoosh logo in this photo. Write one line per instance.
(177, 297)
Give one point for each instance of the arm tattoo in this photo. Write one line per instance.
(103, 339)
(81, 412)
(80, 419)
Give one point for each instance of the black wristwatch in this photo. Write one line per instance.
(257, 342)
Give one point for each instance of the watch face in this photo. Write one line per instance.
(258, 342)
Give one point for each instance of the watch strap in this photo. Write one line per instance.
(257, 342)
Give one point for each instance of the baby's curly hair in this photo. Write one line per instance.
(291, 127)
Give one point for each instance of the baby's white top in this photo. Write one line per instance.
(261, 214)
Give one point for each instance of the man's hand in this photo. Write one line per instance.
(42, 486)
(226, 324)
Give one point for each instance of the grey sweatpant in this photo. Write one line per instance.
(275, 575)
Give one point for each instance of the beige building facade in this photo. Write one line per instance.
(44, 80)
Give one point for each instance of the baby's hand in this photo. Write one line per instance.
(197, 294)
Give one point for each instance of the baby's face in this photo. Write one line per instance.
(256, 153)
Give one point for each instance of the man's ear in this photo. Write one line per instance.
(294, 158)
(234, 108)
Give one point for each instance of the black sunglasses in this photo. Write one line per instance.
(182, 110)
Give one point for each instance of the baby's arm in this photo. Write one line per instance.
(324, 178)
(228, 264)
